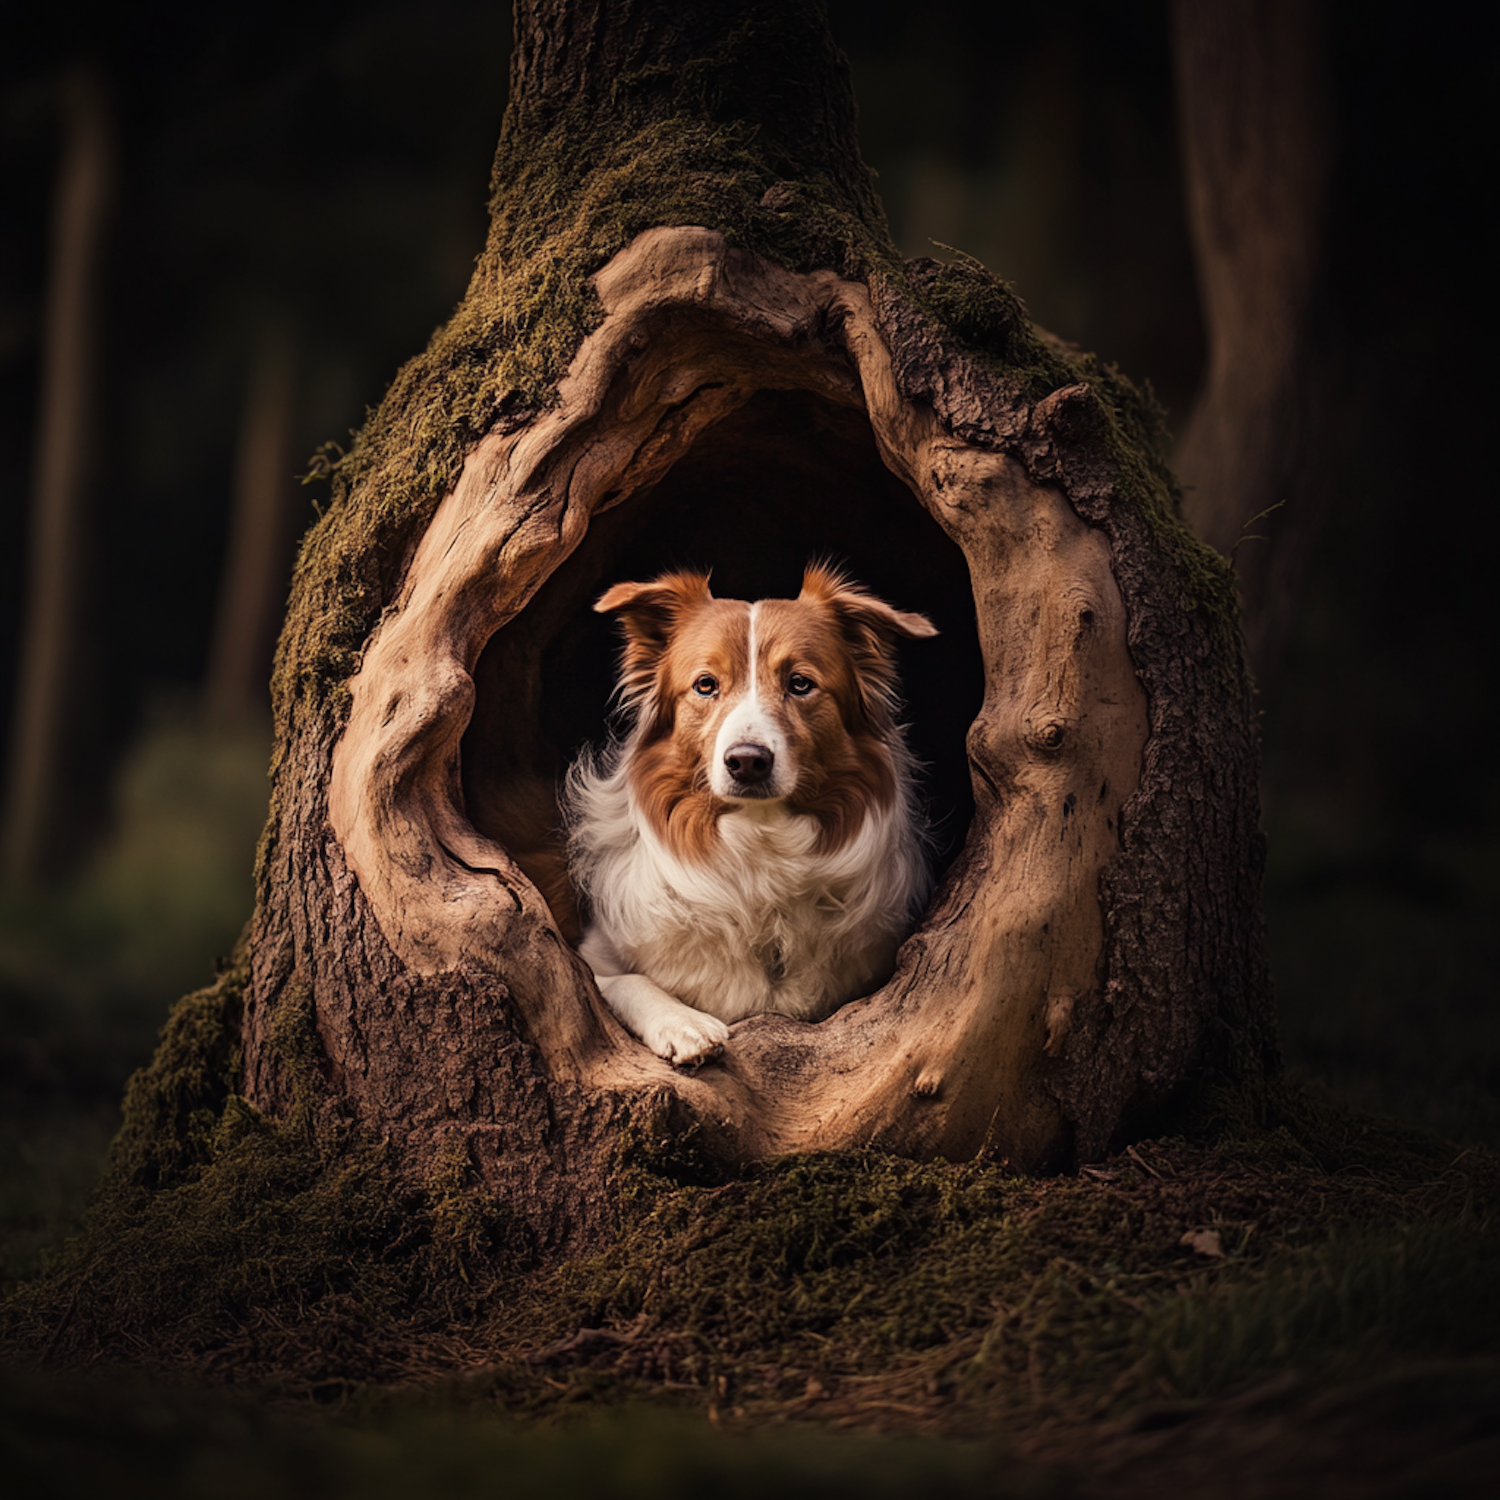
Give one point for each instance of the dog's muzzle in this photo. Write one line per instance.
(749, 766)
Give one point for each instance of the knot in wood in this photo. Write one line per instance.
(1069, 415)
(1048, 736)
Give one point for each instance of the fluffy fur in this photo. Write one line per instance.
(752, 843)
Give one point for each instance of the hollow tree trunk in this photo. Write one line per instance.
(689, 313)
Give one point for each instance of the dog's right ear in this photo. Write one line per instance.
(648, 612)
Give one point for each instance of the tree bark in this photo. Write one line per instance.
(689, 281)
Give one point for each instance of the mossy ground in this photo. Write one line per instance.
(291, 1265)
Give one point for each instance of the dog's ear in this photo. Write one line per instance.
(825, 585)
(648, 612)
(871, 627)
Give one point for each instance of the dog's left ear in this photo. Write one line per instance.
(871, 627)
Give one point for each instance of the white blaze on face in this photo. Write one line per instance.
(751, 720)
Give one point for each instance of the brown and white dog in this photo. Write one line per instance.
(752, 844)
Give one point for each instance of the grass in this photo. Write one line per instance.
(1336, 1309)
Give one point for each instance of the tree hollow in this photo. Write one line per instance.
(710, 368)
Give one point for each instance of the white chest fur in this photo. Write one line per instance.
(764, 923)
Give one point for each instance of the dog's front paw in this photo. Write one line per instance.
(687, 1042)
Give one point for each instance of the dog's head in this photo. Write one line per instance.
(782, 701)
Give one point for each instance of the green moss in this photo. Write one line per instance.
(471, 1231)
(855, 1287)
(983, 311)
(837, 1267)
(294, 1250)
(173, 1105)
(977, 1293)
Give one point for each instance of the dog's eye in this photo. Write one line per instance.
(706, 686)
(798, 685)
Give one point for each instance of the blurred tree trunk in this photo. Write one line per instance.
(1255, 117)
(680, 225)
(39, 839)
(252, 593)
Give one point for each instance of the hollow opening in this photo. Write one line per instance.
(787, 477)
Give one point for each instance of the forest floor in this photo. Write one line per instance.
(1283, 1317)
(1354, 1362)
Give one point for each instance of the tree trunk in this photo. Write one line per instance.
(41, 796)
(689, 305)
(258, 552)
(1254, 115)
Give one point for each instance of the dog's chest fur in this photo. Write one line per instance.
(765, 923)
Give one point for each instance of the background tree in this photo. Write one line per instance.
(1255, 106)
(258, 558)
(42, 826)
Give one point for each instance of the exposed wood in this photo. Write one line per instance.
(940, 1061)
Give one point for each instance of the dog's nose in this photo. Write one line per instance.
(749, 763)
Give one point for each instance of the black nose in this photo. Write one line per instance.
(749, 764)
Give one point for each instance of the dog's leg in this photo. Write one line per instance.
(669, 1028)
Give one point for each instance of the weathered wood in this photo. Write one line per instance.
(939, 1062)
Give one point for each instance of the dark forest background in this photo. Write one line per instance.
(294, 199)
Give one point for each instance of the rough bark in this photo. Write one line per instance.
(1094, 949)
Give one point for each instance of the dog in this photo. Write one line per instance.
(753, 842)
